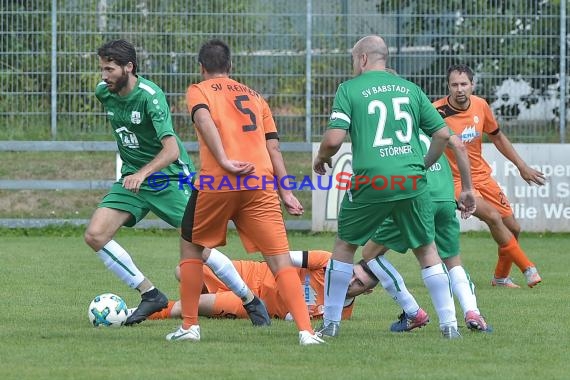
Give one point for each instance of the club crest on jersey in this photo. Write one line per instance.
(136, 117)
(469, 134)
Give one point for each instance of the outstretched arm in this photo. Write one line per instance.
(504, 146)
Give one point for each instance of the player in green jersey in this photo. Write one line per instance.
(153, 161)
(441, 187)
(383, 114)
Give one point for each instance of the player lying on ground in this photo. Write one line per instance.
(219, 302)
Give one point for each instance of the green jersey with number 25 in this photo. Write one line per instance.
(383, 114)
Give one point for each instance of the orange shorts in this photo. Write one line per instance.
(252, 272)
(260, 280)
(490, 191)
(256, 275)
(228, 305)
(256, 214)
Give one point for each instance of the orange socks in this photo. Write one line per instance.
(509, 253)
(504, 264)
(191, 282)
(289, 287)
(164, 313)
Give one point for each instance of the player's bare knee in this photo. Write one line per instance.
(493, 220)
(514, 227)
(452, 262)
(427, 256)
(94, 240)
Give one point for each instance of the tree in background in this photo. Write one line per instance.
(509, 44)
(512, 45)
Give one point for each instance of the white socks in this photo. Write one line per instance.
(223, 268)
(393, 283)
(436, 281)
(118, 261)
(337, 278)
(463, 289)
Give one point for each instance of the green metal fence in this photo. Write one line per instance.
(294, 52)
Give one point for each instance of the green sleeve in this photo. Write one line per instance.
(157, 108)
(340, 116)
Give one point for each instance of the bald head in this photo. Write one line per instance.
(369, 53)
(372, 45)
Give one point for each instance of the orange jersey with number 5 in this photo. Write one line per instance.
(244, 122)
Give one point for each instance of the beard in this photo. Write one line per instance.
(120, 83)
(462, 100)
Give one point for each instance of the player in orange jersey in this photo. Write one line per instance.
(238, 138)
(218, 301)
(470, 116)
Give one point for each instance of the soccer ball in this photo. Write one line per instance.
(107, 310)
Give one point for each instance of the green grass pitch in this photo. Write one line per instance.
(48, 277)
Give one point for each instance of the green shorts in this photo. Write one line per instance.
(446, 229)
(446, 232)
(390, 237)
(413, 217)
(168, 204)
